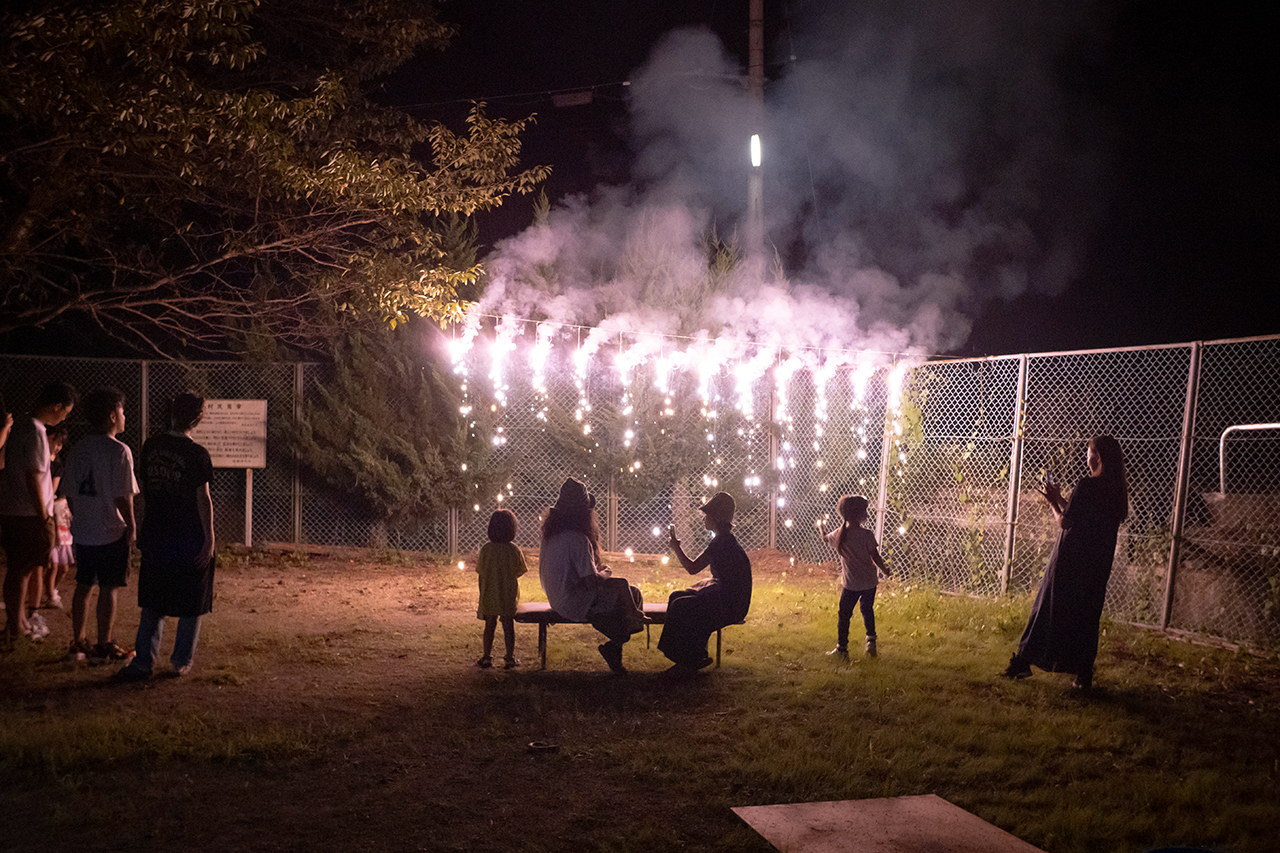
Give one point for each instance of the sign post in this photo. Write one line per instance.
(235, 434)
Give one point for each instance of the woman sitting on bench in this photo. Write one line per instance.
(694, 614)
(577, 586)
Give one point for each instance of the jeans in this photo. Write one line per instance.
(865, 599)
(151, 631)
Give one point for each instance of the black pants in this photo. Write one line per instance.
(865, 599)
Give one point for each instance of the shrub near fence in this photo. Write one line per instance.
(950, 453)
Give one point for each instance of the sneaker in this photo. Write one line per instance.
(612, 654)
(53, 600)
(110, 651)
(179, 671)
(1017, 668)
(485, 662)
(510, 662)
(840, 652)
(37, 628)
(131, 674)
(871, 647)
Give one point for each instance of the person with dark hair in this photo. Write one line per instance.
(176, 541)
(1062, 633)
(26, 500)
(99, 486)
(42, 586)
(578, 586)
(860, 568)
(62, 558)
(500, 565)
(694, 614)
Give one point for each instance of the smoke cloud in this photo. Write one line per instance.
(920, 158)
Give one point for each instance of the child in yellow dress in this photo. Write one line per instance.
(499, 565)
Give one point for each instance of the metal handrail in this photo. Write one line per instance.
(1222, 449)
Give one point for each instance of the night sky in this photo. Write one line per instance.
(1097, 174)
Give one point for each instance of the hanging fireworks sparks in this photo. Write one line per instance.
(640, 403)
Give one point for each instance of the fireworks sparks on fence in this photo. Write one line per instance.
(744, 393)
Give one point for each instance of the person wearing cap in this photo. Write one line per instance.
(176, 540)
(694, 614)
(578, 587)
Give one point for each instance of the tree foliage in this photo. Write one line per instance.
(385, 428)
(192, 174)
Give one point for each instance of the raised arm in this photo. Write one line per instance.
(690, 566)
(1053, 496)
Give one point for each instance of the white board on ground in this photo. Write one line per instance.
(919, 824)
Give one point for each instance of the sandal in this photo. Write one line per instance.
(110, 651)
(485, 662)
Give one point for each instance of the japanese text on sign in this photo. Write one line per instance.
(234, 432)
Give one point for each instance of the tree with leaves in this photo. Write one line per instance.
(200, 176)
(386, 428)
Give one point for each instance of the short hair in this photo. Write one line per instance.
(185, 411)
(100, 403)
(502, 526)
(57, 394)
(57, 432)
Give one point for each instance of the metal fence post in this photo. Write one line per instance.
(1180, 486)
(611, 518)
(886, 445)
(299, 388)
(773, 456)
(1015, 475)
(144, 409)
(451, 537)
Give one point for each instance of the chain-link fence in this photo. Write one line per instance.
(951, 455)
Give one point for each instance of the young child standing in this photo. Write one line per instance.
(62, 559)
(860, 562)
(499, 565)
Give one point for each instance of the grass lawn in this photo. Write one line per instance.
(335, 705)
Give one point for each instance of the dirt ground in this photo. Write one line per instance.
(360, 722)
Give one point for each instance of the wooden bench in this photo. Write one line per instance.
(540, 613)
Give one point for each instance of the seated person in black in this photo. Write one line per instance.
(694, 614)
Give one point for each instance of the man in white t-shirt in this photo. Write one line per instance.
(26, 500)
(99, 484)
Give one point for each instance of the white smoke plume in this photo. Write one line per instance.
(921, 157)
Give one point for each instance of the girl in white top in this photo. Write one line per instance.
(860, 564)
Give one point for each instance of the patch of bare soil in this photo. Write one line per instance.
(357, 720)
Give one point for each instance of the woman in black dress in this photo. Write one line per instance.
(1062, 633)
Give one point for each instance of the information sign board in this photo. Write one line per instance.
(234, 432)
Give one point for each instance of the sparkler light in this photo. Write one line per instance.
(652, 378)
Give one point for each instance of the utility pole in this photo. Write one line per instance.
(754, 244)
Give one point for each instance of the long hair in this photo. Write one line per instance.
(853, 509)
(1113, 474)
(582, 521)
